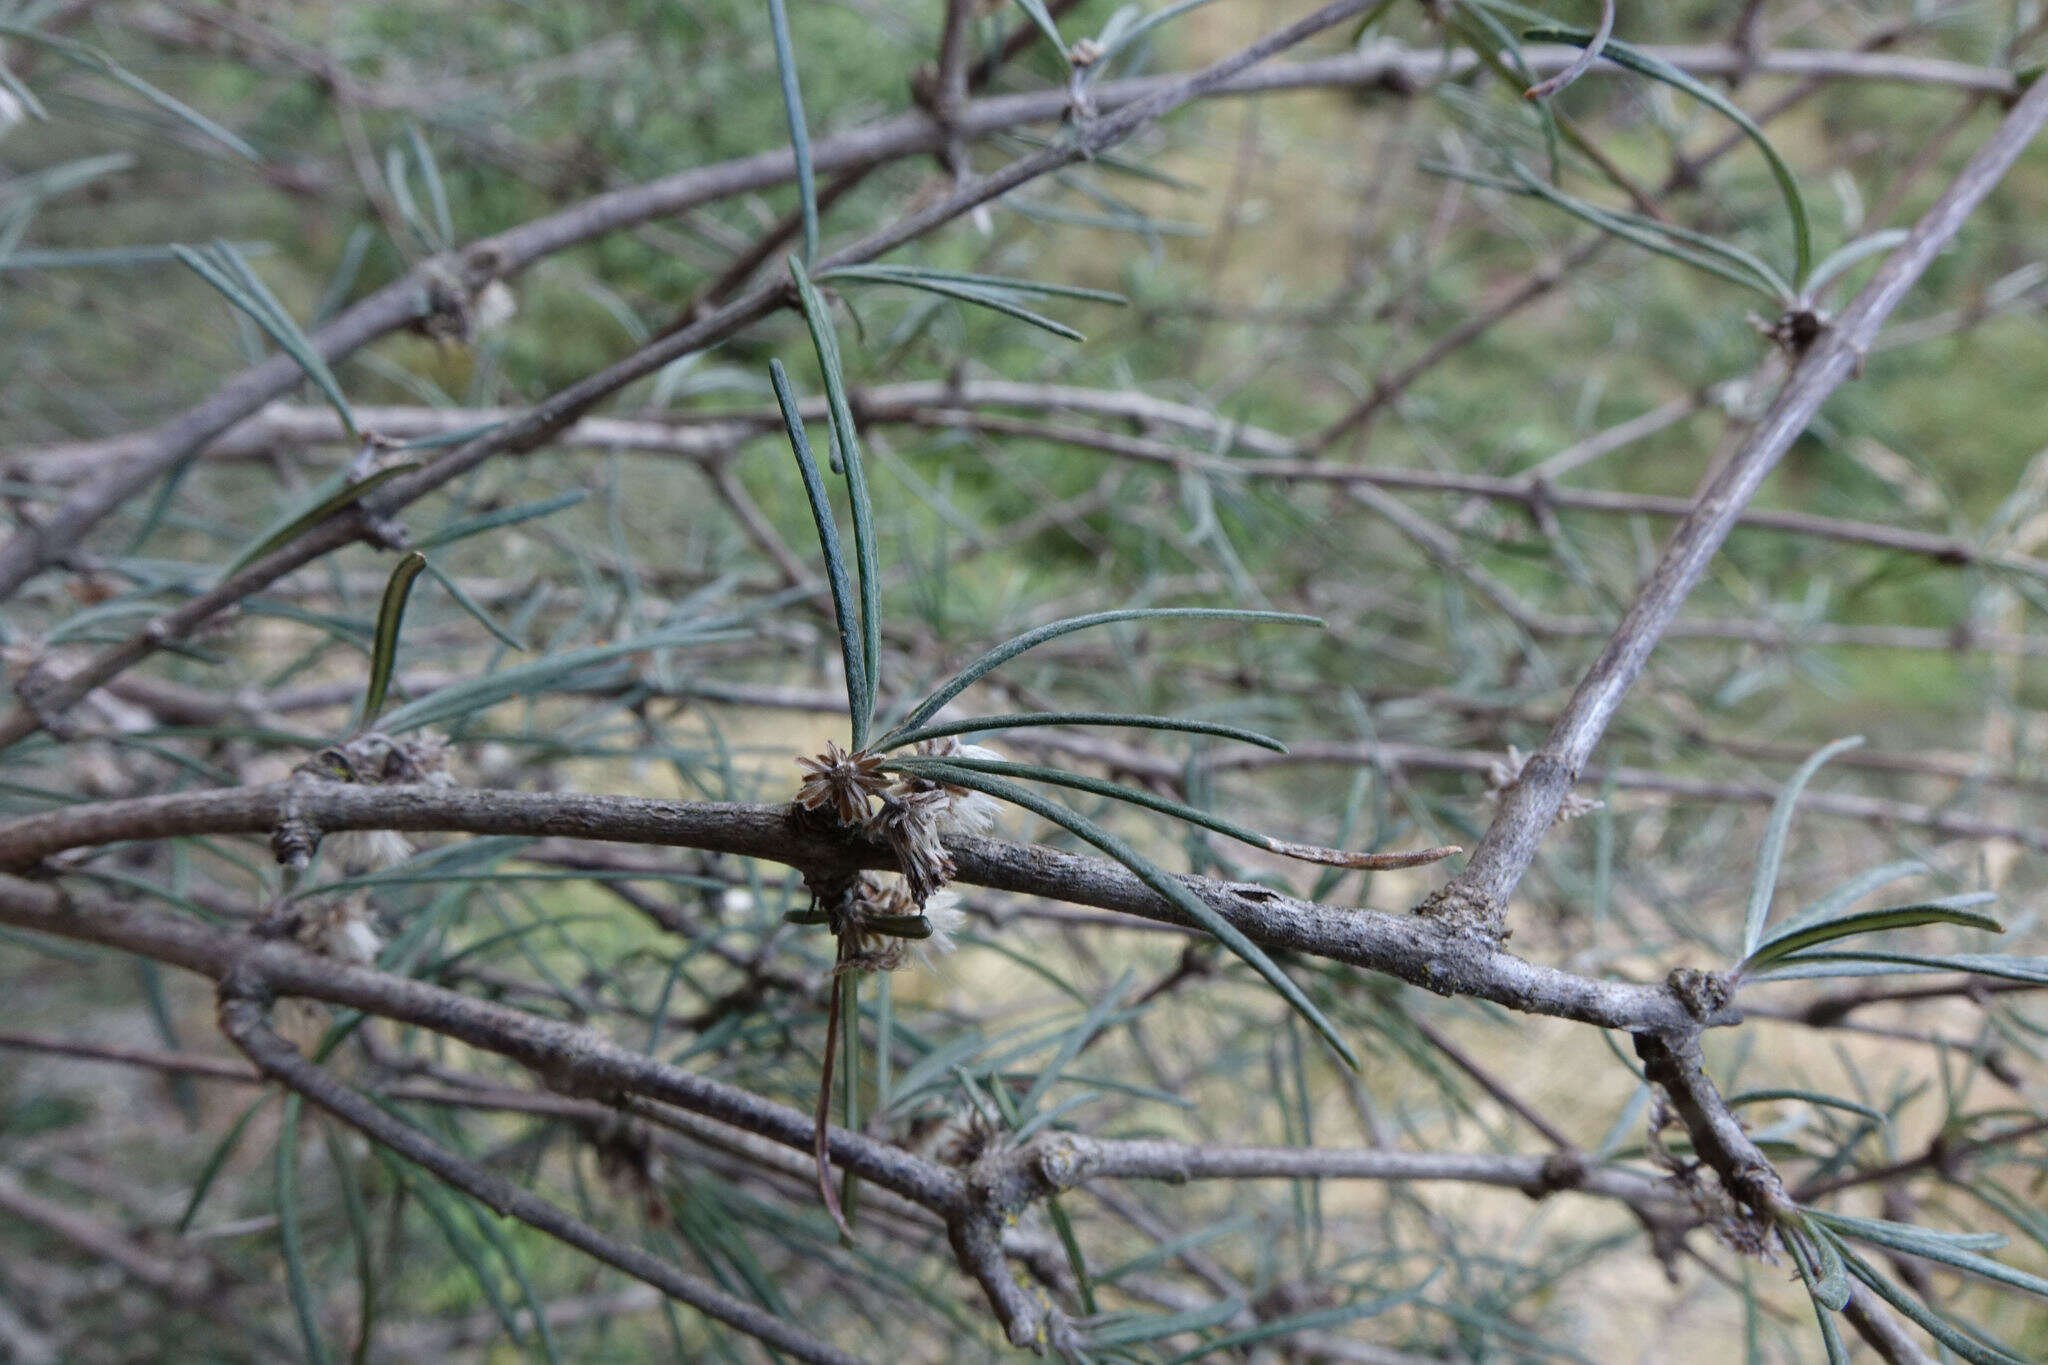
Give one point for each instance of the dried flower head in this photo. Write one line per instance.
(846, 784)
(909, 822)
(358, 851)
(965, 811)
(882, 927)
(632, 1165)
(344, 928)
(964, 1138)
(380, 760)
(947, 919)
(874, 953)
(1795, 330)
(874, 905)
(493, 306)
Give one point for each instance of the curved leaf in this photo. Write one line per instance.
(324, 504)
(982, 297)
(1643, 64)
(799, 134)
(859, 695)
(1808, 1097)
(1765, 883)
(819, 320)
(1872, 962)
(1871, 922)
(1182, 899)
(305, 1307)
(948, 769)
(384, 652)
(1031, 639)
(1974, 1349)
(1021, 719)
(221, 266)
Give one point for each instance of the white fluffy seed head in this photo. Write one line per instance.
(358, 851)
(345, 929)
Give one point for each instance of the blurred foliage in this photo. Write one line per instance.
(1279, 256)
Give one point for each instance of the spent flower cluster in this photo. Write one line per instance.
(879, 917)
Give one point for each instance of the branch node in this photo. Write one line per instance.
(1564, 1169)
(386, 533)
(1464, 914)
(39, 689)
(1704, 994)
(294, 841)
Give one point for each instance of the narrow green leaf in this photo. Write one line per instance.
(1831, 1284)
(1641, 62)
(485, 1222)
(1807, 1097)
(1010, 284)
(460, 1240)
(826, 342)
(983, 298)
(1870, 922)
(112, 257)
(1906, 1237)
(474, 608)
(222, 267)
(1830, 1334)
(384, 652)
(1039, 16)
(1714, 256)
(216, 1161)
(2031, 1219)
(1084, 1286)
(1763, 887)
(944, 768)
(1971, 1348)
(1843, 257)
(1467, 17)
(1112, 46)
(362, 1238)
(859, 695)
(304, 1306)
(1172, 890)
(354, 252)
(1871, 962)
(1018, 720)
(12, 84)
(81, 54)
(437, 193)
(441, 440)
(399, 179)
(1052, 1114)
(1950, 1249)
(324, 504)
(799, 134)
(1031, 639)
(1831, 905)
(1173, 1247)
(477, 693)
(1315, 1320)
(1070, 1046)
(1717, 257)
(1583, 63)
(1143, 1327)
(504, 516)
